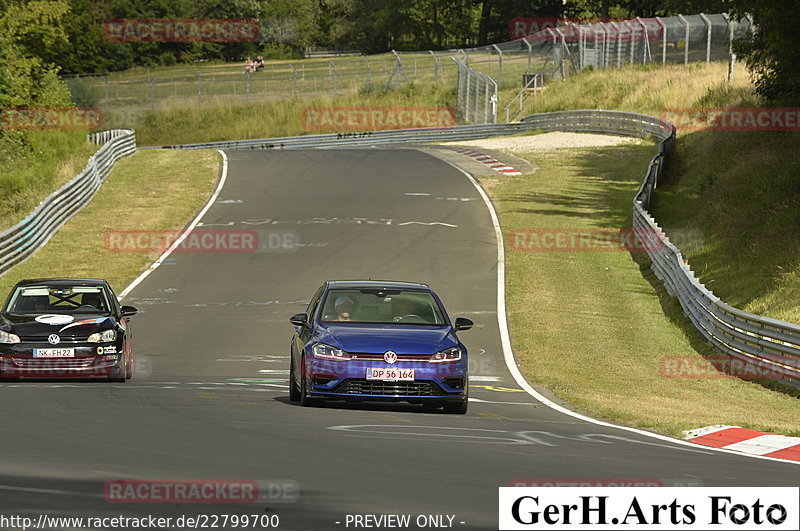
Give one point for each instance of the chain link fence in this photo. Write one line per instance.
(553, 53)
(477, 95)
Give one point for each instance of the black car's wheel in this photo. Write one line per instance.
(118, 375)
(128, 365)
(305, 399)
(294, 392)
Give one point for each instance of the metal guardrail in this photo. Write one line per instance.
(19, 242)
(771, 345)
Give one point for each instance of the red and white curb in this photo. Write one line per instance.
(747, 441)
(490, 161)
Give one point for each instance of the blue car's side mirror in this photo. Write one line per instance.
(462, 323)
(299, 319)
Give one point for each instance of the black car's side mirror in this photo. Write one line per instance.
(462, 323)
(127, 311)
(299, 319)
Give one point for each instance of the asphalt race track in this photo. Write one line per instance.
(210, 401)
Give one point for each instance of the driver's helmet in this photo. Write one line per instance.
(342, 301)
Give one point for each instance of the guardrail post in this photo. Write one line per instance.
(499, 64)
(467, 99)
(530, 53)
(466, 57)
(494, 101)
(731, 55)
(632, 39)
(663, 41)
(152, 93)
(477, 94)
(685, 40)
(247, 86)
(294, 80)
(105, 82)
(332, 74)
(707, 22)
(435, 68)
(486, 104)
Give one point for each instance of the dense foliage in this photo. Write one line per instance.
(35, 35)
(772, 52)
(289, 27)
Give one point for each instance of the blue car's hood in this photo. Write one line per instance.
(403, 339)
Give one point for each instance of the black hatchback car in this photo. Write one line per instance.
(65, 328)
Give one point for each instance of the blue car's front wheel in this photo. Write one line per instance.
(294, 392)
(305, 399)
(460, 407)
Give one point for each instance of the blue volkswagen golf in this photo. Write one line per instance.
(376, 340)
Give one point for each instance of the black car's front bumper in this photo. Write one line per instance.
(90, 360)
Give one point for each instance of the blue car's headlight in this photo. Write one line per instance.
(327, 352)
(106, 336)
(8, 338)
(450, 354)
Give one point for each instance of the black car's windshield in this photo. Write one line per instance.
(406, 307)
(58, 299)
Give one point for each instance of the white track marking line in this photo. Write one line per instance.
(764, 444)
(185, 233)
(508, 354)
(708, 430)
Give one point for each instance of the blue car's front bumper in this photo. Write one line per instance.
(347, 380)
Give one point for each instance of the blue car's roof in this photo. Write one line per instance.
(389, 284)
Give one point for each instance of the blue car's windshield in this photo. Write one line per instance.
(58, 299)
(405, 307)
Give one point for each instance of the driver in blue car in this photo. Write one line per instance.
(343, 306)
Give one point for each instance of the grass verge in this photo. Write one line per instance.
(48, 160)
(182, 125)
(136, 197)
(594, 326)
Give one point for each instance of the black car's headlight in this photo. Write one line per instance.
(326, 352)
(106, 336)
(8, 337)
(450, 354)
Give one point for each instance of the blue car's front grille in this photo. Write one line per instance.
(359, 386)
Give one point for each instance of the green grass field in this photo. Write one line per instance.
(595, 327)
(151, 203)
(51, 159)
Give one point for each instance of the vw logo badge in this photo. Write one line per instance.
(53, 339)
(390, 356)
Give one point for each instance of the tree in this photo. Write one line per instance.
(771, 50)
(28, 29)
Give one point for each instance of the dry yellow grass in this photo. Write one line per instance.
(159, 190)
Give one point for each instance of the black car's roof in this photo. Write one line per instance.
(62, 281)
(390, 284)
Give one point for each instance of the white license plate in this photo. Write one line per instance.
(390, 373)
(54, 353)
